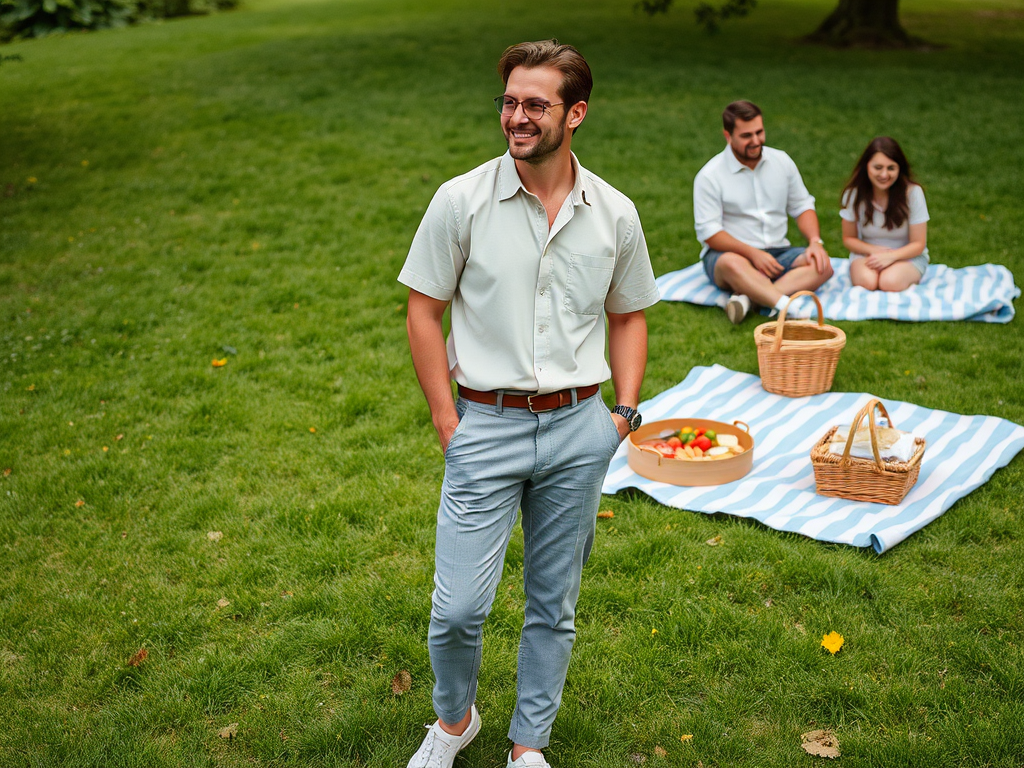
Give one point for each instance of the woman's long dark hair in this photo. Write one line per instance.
(859, 185)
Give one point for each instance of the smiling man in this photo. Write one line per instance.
(741, 200)
(534, 254)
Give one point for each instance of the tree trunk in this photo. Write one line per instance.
(867, 23)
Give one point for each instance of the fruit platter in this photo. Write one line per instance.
(691, 451)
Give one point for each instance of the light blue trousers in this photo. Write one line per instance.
(551, 465)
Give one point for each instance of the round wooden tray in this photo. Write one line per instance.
(654, 466)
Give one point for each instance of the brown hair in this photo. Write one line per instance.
(860, 188)
(577, 81)
(739, 110)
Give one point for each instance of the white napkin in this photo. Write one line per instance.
(893, 444)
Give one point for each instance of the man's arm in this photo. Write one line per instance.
(763, 261)
(430, 359)
(807, 223)
(627, 352)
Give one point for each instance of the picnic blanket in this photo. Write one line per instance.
(779, 490)
(984, 293)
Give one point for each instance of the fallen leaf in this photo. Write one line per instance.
(214, 535)
(313, 430)
(31, 387)
(228, 731)
(138, 657)
(401, 682)
(686, 737)
(715, 541)
(80, 503)
(119, 437)
(659, 751)
(606, 514)
(223, 603)
(832, 642)
(105, 449)
(124, 534)
(219, 363)
(820, 744)
(283, 736)
(7, 472)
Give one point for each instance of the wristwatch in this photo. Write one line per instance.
(818, 240)
(631, 415)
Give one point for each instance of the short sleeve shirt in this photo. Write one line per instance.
(874, 232)
(752, 205)
(528, 303)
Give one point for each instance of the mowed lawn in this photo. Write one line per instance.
(243, 187)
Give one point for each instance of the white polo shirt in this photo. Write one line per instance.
(750, 205)
(528, 304)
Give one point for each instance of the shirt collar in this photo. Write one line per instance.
(735, 166)
(509, 182)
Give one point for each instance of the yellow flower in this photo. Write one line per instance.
(31, 179)
(219, 363)
(832, 642)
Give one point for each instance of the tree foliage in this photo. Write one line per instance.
(36, 18)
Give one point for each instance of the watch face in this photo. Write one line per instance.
(634, 423)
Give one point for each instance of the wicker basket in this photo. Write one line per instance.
(798, 358)
(849, 477)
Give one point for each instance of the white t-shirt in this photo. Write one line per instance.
(875, 233)
(528, 302)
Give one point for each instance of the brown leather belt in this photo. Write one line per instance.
(549, 401)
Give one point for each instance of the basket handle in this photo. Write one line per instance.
(738, 423)
(651, 450)
(869, 411)
(781, 322)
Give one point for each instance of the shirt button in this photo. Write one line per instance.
(540, 329)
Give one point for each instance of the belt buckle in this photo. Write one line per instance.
(529, 404)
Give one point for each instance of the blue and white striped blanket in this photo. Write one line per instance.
(984, 293)
(779, 490)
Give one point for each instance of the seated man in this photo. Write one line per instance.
(741, 199)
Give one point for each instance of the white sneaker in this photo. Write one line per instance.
(439, 747)
(535, 759)
(737, 308)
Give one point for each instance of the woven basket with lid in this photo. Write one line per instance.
(850, 477)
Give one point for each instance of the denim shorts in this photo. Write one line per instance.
(920, 263)
(785, 255)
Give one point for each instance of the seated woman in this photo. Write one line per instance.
(885, 220)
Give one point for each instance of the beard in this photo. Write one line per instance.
(547, 144)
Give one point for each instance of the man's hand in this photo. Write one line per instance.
(445, 430)
(819, 257)
(622, 425)
(766, 264)
(879, 261)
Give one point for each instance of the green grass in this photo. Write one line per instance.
(253, 181)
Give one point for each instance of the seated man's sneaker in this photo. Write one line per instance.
(737, 308)
(536, 759)
(439, 748)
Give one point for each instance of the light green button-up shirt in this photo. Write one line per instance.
(528, 302)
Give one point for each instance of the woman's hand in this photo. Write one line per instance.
(879, 261)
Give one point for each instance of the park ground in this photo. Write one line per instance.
(243, 187)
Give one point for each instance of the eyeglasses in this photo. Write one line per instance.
(533, 109)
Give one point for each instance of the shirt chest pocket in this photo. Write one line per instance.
(587, 282)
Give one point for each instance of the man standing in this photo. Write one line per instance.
(741, 199)
(532, 252)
